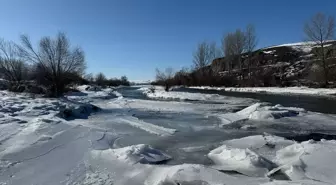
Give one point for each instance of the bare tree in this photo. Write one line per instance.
(205, 54)
(181, 77)
(124, 81)
(56, 60)
(227, 47)
(89, 77)
(320, 29)
(233, 44)
(165, 77)
(100, 79)
(11, 66)
(250, 44)
(239, 46)
(202, 55)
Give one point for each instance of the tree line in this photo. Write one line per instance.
(234, 62)
(51, 67)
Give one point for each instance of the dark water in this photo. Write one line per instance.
(310, 103)
(132, 93)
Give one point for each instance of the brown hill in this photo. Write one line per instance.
(282, 65)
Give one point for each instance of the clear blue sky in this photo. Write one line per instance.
(133, 37)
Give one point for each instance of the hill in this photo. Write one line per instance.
(282, 65)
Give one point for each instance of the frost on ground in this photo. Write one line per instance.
(275, 90)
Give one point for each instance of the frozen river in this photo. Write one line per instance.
(180, 137)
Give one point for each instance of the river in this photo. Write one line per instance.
(312, 103)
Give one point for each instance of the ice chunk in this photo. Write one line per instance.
(272, 114)
(252, 155)
(160, 93)
(275, 112)
(151, 128)
(249, 110)
(142, 153)
(247, 142)
(244, 161)
(309, 160)
(300, 182)
(194, 174)
(44, 138)
(77, 110)
(261, 111)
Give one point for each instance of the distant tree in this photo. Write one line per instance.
(239, 46)
(205, 54)
(100, 79)
(228, 50)
(89, 77)
(320, 29)
(57, 63)
(233, 46)
(202, 55)
(165, 77)
(12, 67)
(182, 77)
(250, 44)
(124, 81)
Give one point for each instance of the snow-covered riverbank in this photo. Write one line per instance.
(97, 136)
(275, 90)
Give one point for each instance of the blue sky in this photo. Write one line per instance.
(133, 37)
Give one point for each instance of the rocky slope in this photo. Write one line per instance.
(285, 65)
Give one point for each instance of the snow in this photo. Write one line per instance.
(303, 46)
(276, 90)
(87, 93)
(179, 106)
(270, 52)
(160, 93)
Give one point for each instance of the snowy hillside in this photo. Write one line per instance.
(306, 47)
(292, 64)
(276, 90)
(117, 136)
